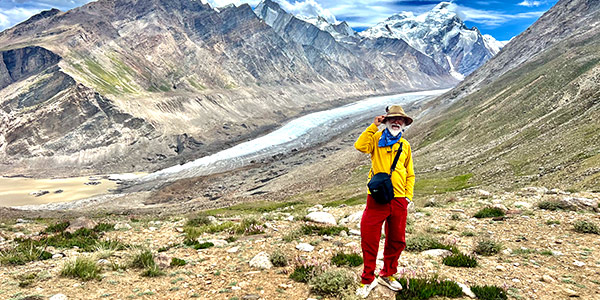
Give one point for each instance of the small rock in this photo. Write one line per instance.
(236, 288)
(343, 233)
(251, 297)
(500, 206)
(351, 244)
(522, 204)
(354, 232)
(321, 217)
(352, 219)
(579, 263)
(162, 260)
(500, 268)
(19, 235)
(547, 278)
(290, 218)
(507, 251)
(122, 226)
(58, 191)
(104, 262)
(179, 229)
(261, 261)
(152, 229)
(516, 280)
(233, 249)
(482, 193)
(59, 297)
(305, 247)
(419, 215)
(458, 210)
(571, 292)
(466, 290)
(285, 286)
(58, 255)
(436, 252)
(23, 221)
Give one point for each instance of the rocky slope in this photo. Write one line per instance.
(542, 256)
(178, 77)
(442, 35)
(528, 115)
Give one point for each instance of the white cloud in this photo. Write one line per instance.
(12, 16)
(492, 18)
(530, 3)
(307, 8)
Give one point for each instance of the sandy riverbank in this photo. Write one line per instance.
(17, 191)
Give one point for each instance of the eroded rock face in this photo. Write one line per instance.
(20, 63)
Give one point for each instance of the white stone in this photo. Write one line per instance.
(58, 255)
(351, 244)
(469, 226)
(579, 263)
(59, 297)
(261, 261)
(516, 280)
(122, 226)
(482, 193)
(152, 228)
(352, 219)
(419, 215)
(343, 233)
(500, 268)
(547, 278)
(436, 252)
(354, 232)
(305, 247)
(322, 217)
(236, 288)
(233, 249)
(500, 206)
(458, 210)
(466, 290)
(290, 218)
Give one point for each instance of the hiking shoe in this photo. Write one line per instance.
(364, 290)
(391, 282)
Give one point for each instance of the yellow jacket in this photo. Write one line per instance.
(382, 158)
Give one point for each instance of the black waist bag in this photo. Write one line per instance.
(380, 185)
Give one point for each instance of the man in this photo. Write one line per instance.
(383, 146)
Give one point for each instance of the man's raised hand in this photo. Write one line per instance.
(378, 120)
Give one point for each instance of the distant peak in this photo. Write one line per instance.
(443, 5)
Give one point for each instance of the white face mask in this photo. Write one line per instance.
(394, 129)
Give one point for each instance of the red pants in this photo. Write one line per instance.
(394, 215)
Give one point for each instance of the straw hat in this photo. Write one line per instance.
(397, 111)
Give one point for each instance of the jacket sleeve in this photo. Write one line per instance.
(365, 140)
(410, 174)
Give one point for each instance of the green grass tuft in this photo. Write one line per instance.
(303, 273)
(177, 262)
(82, 268)
(553, 205)
(460, 260)
(425, 288)
(58, 227)
(104, 227)
(279, 259)
(322, 230)
(586, 227)
(488, 292)
(487, 247)
(489, 212)
(343, 259)
(423, 242)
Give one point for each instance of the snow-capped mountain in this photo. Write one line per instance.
(442, 35)
(339, 30)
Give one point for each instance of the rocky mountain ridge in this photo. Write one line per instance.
(442, 35)
(178, 76)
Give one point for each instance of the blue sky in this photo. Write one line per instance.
(501, 19)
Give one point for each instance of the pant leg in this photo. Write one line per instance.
(395, 242)
(370, 233)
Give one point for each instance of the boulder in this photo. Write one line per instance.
(261, 261)
(436, 252)
(352, 219)
(466, 290)
(305, 247)
(321, 217)
(81, 222)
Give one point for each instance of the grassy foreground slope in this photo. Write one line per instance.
(537, 124)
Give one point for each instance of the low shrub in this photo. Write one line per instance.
(487, 247)
(24, 252)
(331, 282)
(82, 268)
(460, 260)
(468, 233)
(278, 259)
(27, 279)
(145, 260)
(423, 242)
(303, 273)
(489, 212)
(153, 271)
(553, 205)
(104, 227)
(488, 292)
(177, 262)
(552, 222)
(343, 259)
(586, 227)
(200, 220)
(58, 227)
(249, 227)
(425, 288)
(197, 245)
(322, 230)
